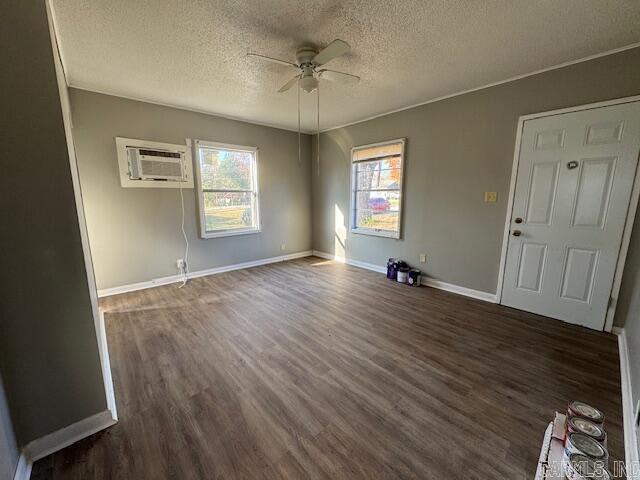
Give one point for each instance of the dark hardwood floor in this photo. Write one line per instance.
(313, 369)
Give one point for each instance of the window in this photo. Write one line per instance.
(376, 188)
(227, 189)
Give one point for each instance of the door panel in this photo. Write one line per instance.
(550, 139)
(579, 268)
(573, 186)
(610, 132)
(532, 262)
(594, 190)
(542, 192)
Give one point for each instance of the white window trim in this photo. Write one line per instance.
(353, 228)
(231, 232)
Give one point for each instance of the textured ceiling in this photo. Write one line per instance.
(192, 54)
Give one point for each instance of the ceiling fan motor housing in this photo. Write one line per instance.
(304, 59)
(305, 56)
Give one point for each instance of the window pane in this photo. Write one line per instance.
(226, 169)
(384, 164)
(378, 201)
(387, 221)
(379, 210)
(377, 178)
(228, 210)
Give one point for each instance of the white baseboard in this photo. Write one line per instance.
(349, 261)
(628, 410)
(23, 470)
(51, 443)
(467, 292)
(43, 446)
(156, 282)
(105, 363)
(430, 282)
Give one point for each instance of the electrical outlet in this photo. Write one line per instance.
(423, 258)
(490, 197)
(180, 263)
(283, 247)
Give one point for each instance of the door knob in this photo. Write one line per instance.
(516, 233)
(518, 220)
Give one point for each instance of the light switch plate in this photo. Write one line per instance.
(490, 197)
(423, 258)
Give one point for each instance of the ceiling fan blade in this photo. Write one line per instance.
(273, 60)
(289, 84)
(331, 51)
(336, 76)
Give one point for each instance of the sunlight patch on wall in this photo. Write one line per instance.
(340, 232)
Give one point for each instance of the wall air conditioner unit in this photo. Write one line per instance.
(143, 163)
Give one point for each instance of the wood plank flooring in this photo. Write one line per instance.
(314, 369)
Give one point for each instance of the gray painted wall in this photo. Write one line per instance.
(48, 350)
(457, 149)
(628, 306)
(135, 233)
(628, 309)
(8, 446)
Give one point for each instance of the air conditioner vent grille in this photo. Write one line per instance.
(156, 168)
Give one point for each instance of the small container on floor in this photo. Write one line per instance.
(414, 277)
(403, 274)
(392, 269)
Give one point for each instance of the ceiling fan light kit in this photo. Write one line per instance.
(308, 59)
(308, 83)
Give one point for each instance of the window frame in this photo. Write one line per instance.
(353, 227)
(255, 192)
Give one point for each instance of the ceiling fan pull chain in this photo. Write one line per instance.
(318, 128)
(299, 150)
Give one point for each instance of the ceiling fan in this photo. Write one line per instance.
(308, 61)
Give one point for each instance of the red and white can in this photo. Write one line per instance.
(581, 409)
(587, 446)
(583, 425)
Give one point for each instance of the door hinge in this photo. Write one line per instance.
(610, 301)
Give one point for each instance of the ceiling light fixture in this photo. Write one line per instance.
(309, 76)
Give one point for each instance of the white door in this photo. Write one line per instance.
(572, 193)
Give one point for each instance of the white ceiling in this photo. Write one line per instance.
(192, 54)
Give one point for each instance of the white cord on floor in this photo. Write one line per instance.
(185, 268)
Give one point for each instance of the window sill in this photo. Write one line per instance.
(376, 233)
(229, 233)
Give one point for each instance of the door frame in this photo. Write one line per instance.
(631, 211)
